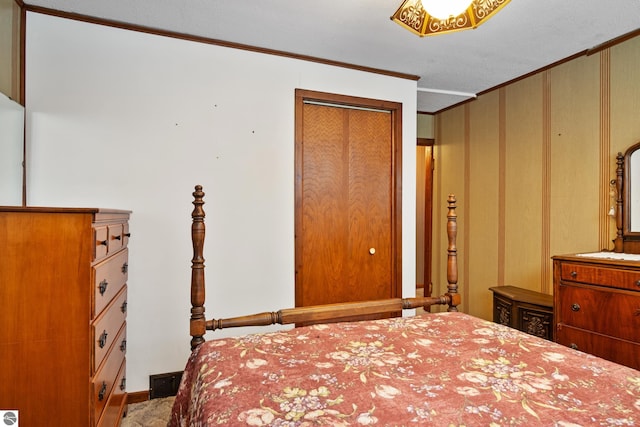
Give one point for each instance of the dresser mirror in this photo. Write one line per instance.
(11, 151)
(633, 191)
(628, 201)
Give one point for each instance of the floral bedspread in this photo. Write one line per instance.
(445, 369)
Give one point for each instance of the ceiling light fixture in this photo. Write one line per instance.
(430, 17)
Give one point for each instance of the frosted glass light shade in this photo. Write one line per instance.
(444, 9)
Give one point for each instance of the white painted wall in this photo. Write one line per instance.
(128, 120)
(426, 126)
(11, 137)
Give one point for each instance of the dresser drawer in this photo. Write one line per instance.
(109, 239)
(116, 238)
(608, 312)
(616, 278)
(113, 410)
(619, 351)
(109, 277)
(105, 329)
(125, 234)
(104, 381)
(118, 345)
(101, 238)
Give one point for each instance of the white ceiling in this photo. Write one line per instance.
(524, 36)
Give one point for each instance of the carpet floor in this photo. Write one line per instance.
(152, 413)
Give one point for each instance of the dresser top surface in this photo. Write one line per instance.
(602, 258)
(49, 209)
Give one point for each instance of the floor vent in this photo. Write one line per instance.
(164, 385)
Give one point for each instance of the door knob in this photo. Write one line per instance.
(372, 251)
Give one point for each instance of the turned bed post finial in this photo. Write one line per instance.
(452, 255)
(618, 243)
(197, 324)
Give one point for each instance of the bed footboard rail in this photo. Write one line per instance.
(313, 314)
(330, 312)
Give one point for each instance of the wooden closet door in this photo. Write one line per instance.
(345, 235)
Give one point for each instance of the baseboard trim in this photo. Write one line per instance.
(138, 396)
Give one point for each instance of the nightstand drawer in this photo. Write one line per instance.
(106, 327)
(616, 278)
(108, 278)
(614, 313)
(619, 351)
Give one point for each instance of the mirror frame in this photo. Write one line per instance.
(626, 241)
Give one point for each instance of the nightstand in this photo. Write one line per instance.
(523, 309)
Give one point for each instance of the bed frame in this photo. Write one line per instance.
(311, 314)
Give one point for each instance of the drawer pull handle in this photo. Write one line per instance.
(575, 307)
(103, 339)
(123, 345)
(574, 346)
(123, 307)
(125, 268)
(123, 384)
(638, 283)
(103, 242)
(103, 391)
(103, 286)
(574, 274)
(127, 234)
(117, 237)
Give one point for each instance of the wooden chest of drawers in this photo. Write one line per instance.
(523, 309)
(597, 307)
(63, 288)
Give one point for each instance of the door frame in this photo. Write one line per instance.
(395, 109)
(427, 199)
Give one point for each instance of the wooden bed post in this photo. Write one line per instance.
(452, 255)
(197, 324)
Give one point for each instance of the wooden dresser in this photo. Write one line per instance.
(597, 307)
(63, 274)
(523, 309)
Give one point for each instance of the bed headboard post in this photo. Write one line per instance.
(197, 324)
(452, 255)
